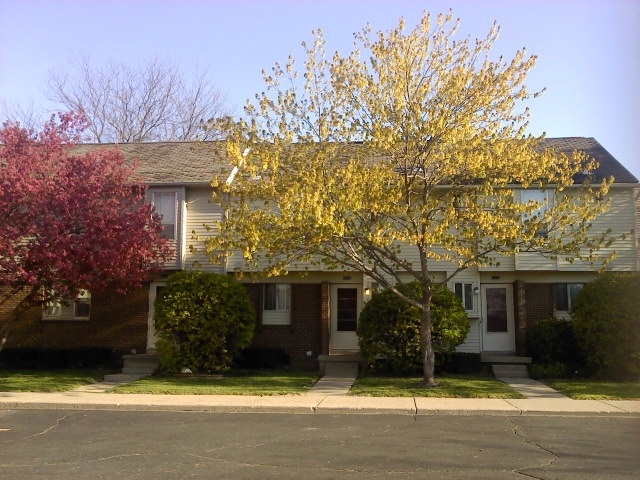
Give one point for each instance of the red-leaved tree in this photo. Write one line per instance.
(70, 222)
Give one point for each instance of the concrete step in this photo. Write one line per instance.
(510, 371)
(123, 377)
(143, 364)
(488, 357)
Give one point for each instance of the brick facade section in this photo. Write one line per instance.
(538, 306)
(305, 334)
(118, 322)
(520, 313)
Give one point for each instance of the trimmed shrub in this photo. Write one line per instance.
(202, 321)
(606, 321)
(552, 342)
(389, 328)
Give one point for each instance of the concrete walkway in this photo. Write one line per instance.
(329, 396)
(337, 380)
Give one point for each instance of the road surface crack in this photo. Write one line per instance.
(45, 431)
(520, 471)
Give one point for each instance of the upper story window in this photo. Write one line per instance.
(78, 308)
(541, 198)
(166, 206)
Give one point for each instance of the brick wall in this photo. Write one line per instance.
(305, 332)
(117, 321)
(520, 310)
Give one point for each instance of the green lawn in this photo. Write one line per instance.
(580, 389)
(261, 383)
(47, 381)
(291, 382)
(449, 386)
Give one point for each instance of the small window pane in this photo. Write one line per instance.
(560, 297)
(574, 290)
(165, 205)
(468, 296)
(464, 291)
(277, 296)
(82, 308)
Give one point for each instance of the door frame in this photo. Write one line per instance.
(506, 341)
(151, 326)
(346, 341)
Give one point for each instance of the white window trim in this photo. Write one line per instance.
(281, 315)
(474, 293)
(539, 196)
(176, 212)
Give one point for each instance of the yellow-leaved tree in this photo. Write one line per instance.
(415, 140)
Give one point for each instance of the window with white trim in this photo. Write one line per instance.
(539, 197)
(166, 204)
(78, 308)
(277, 304)
(564, 295)
(464, 291)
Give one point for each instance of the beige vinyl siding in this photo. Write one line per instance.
(471, 344)
(621, 219)
(200, 211)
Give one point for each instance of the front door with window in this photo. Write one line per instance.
(345, 308)
(498, 329)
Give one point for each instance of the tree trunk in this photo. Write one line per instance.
(428, 355)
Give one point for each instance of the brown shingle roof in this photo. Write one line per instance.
(199, 162)
(608, 164)
(173, 162)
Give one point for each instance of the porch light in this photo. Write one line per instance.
(367, 291)
(476, 290)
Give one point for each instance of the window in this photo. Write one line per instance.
(347, 310)
(464, 291)
(165, 204)
(277, 304)
(541, 198)
(78, 308)
(564, 294)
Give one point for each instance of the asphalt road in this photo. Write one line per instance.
(70, 445)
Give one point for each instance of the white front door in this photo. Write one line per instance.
(345, 309)
(154, 289)
(498, 329)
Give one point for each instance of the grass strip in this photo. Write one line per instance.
(262, 383)
(47, 381)
(449, 386)
(582, 389)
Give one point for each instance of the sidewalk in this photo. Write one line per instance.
(328, 396)
(315, 404)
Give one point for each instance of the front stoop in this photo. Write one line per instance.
(135, 367)
(505, 370)
(341, 359)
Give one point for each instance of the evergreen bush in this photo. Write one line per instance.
(202, 321)
(606, 319)
(389, 328)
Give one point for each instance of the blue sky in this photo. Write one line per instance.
(589, 50)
